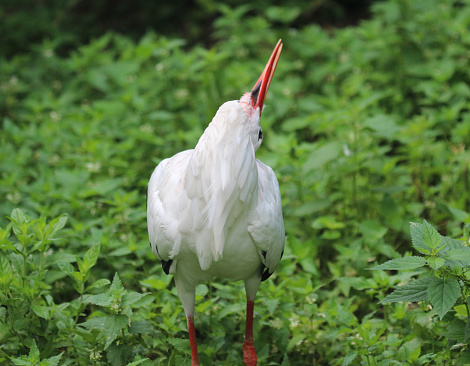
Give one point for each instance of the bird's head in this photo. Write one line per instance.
(253, 102)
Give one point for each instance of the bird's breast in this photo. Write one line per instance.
(240, 260)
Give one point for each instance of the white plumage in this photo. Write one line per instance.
(215, 211)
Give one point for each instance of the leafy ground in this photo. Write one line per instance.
(367, 128)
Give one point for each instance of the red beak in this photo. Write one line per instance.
(261, 87)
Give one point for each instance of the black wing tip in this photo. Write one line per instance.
(166, 265)
(265, 273)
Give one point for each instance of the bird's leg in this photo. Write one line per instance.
(186, 292)
(249, 353)
(192, 341)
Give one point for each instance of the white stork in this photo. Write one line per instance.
(215, 210)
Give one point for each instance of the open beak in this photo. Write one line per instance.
(261, 87)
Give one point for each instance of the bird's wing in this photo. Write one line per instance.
(266, 225)
(165, 192)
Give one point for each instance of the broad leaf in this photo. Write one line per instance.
(349, 358)
(416, 231)
(443, 293)
(118, 354)
(57, 224)
(6, 271)
(431, 238)
(456, 331)
(467, 331)
(65, 267)
(459, 255)
(402, 263)
(52, 361)
(180, 344)
(140, 326)
(435, 262)
(99, 283)
(112, 327)
(41, 311)
(138, 362)
(131, 297)
(413, 291)
(101, 299)
(116, 286)
(90, 258)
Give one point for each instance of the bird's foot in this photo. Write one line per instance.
(249, 353)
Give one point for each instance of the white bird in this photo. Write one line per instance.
(215, 210)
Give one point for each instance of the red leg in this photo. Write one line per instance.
(192, 341)
(249, 353)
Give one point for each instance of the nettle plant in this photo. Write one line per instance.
(37, 327)
(446, 284)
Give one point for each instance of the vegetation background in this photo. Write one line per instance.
(367, 128)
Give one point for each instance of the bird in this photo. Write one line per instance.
(216, 211)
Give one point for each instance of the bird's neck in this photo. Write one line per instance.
(221, 184)
(224, 159)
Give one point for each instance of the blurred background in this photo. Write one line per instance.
(71, 23)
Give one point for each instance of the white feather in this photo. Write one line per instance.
(214, 209)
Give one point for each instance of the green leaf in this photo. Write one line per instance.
(100, 299)
(431, 238)
(18, 217)
(413, 291)
(52, 361)
(57, 224)
(383, 125)
(467, 331)
(157, 283)
(461, 310)
(180, 344)
(283, 14)
(410, 350)
(6, 271)
(138, 362)
(271, 304)
(322, 156)
(78, 276)
(63, 257)
(113, 326)
(404, 263)
(18, 262)
(416, 231)
(359, 283)
(99, 283)
(296, 339)
(140, 327)
(34, 353)
(456, 331)
(435, 262)
(65, 267)
(131, 297)
(460, 255)
(116, 286)
(118, 354)
(90, 258)
(285, 360)
(443, 293)
(95, 323)
(349, 358)
(41, 311)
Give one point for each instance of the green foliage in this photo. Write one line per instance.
(446, 283)
(30, 269)
(367, 129)
(74, 22)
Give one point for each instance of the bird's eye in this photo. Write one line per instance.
(260, 134)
